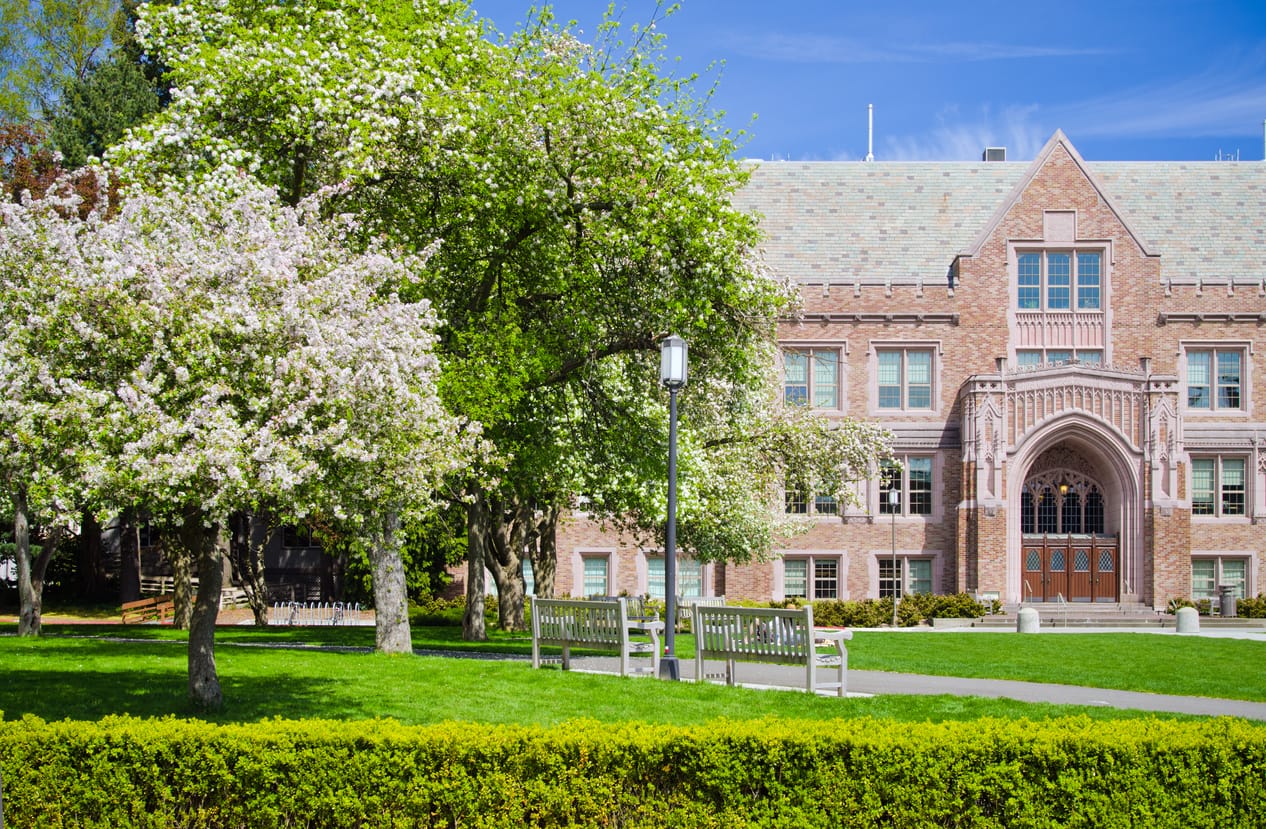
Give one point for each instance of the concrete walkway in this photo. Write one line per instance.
(873, 683)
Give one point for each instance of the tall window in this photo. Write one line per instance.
(905, 576)
(1052, 280)
(1207, 574)
(1215, 378)
(905, 378)
(913, 483)
(595, 576)
(811, 577)
(1217, 486)
(689, 577)
(811, 377)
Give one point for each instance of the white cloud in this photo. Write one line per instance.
(957, 138)
(1227, 97)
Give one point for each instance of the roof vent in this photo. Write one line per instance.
(994, 154)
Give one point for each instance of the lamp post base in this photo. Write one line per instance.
(669, 668)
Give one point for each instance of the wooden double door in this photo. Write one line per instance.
(1078, 568)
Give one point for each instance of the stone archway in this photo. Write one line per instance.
(1085, 542)
(1067, 553)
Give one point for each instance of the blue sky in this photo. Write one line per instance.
(1125, 80)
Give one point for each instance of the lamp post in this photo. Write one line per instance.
(672, 373)
(894, 503)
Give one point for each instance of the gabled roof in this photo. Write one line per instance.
(902, 222)
(1058, 140)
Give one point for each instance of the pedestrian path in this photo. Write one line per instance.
(875, 683)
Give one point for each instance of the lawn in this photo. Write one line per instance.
(86, 676)
(1162, 663)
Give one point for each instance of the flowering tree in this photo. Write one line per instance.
(584, 198)
(215, 353)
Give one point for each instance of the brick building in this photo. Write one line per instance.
(1065, 353)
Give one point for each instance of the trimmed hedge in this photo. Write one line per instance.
(123, 773)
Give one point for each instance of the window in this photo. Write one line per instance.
(1052, 280)
(595, 576)
(1217, 486)
(1027, 357)
(811, 577)
(912, 479)
(811, 377)
(905, 576)
(297, 536)
(1063, 509)
(1207, 574)
(689, 578)
(1215, 378)
(796, 501)
(905, 378)
(147, 535)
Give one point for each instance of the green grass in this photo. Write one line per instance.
(1151, 662)
(1156, 663)
(84, 678)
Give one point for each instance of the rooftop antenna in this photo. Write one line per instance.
(1263, 140)
(870, 133)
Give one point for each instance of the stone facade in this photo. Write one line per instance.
(1065, 353)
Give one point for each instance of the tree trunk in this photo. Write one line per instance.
(473, 629)
(129, 558)
(391, 599)
(31, 571)
(252, 536)
(507, 538)
(207, 545)
(91, 560)
(29, 600)
(181, 552)
(544, 552)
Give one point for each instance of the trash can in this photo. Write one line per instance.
(1226, 600)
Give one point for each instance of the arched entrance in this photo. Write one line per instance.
(1074, 532)
(1066, 554)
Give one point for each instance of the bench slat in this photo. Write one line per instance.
(777, 635)
(593, 624)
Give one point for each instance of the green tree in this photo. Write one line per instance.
(93, 112)
(44, 44)
(582, 197)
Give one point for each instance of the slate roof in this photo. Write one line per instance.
(1207, 219)
(905, 221)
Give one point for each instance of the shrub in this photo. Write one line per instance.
(913, 609)
(440, 612)
(1252, 608)
(1178, 603)
(126, 773)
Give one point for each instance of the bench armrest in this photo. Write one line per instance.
(832, 635)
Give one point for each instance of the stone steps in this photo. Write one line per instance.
(1055, 614)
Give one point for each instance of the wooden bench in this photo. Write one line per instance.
(152, 609)
(601, 624)
(766, 634)
(229, 596)
(685, 606)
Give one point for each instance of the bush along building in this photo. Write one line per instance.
(1065, 352)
